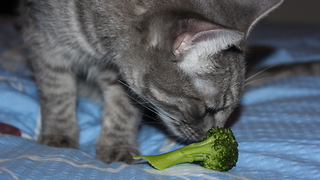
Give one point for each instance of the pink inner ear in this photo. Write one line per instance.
(180, 43)
(188, 28)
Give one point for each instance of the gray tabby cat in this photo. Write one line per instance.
(183, 57)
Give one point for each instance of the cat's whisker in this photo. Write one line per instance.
(263, 70)
(142, 104)
(151, 117)
(164, 113)
(155, 109)
(135, 92)
(257, 80)
(152, 122)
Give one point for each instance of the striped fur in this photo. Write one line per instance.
(149, 47)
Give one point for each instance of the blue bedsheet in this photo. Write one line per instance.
(277, 124)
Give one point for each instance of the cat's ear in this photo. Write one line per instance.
(198, 40)
(199, 37)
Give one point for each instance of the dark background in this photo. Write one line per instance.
(297, 11)
(8, 7)
(291, 11)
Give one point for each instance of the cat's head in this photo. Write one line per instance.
(193, 75)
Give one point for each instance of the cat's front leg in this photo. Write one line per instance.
(57, 95)
(118, 139)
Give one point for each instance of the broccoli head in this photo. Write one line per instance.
(218, 151)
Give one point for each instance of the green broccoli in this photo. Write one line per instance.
(218, 151)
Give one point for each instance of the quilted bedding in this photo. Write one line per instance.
(277, 123)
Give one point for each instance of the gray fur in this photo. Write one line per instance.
(184, 57)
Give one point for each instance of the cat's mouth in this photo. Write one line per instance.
(182, 130)
(190, 133)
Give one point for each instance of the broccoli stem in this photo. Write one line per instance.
(190, 153)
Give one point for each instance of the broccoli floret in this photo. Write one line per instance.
(218, 151)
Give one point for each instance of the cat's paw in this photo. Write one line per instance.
(109, 155)
(58, 141)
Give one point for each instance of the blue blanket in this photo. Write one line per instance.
(277, 124)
